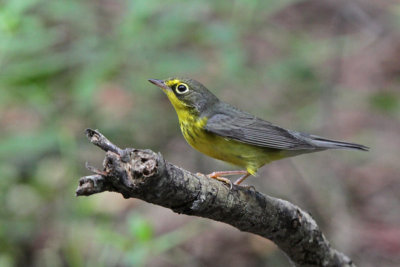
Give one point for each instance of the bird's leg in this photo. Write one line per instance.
(223, 179)
(218, 176)
(221, 173)
(241, 179)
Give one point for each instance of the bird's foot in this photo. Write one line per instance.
(226, 173)
(215, 175)
(218, 176)
(222, 179)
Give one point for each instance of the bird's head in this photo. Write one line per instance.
(186, 94)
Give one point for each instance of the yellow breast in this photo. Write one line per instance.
(228, 150)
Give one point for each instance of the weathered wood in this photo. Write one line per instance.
(145, 175)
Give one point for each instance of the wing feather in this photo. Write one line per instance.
(230, 122)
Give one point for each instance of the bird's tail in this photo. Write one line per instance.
(332, 144)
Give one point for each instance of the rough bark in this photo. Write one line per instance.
(143, 174)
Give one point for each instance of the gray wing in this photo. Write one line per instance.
(246, 128)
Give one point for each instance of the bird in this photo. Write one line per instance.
(227, 133)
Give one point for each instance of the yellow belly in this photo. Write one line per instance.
(229, 150)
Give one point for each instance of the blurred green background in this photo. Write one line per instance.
(331, 68)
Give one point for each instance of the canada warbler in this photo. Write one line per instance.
(224, 132)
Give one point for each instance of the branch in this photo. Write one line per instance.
(143, 174)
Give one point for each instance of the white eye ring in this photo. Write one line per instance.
(182, 88)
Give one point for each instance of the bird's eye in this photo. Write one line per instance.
(182, 88)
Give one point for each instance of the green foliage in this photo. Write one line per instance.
(137, 242)
(385, 101)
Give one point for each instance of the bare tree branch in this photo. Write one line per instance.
(143, 174)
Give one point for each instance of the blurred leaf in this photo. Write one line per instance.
(385, 101)
(140, 228)
(6, 260)
(23, 200)
(27, 145)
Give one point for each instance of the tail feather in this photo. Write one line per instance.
(321, 142)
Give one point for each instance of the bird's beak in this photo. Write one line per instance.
(159, 83)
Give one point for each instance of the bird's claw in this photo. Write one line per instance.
(222, 179)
